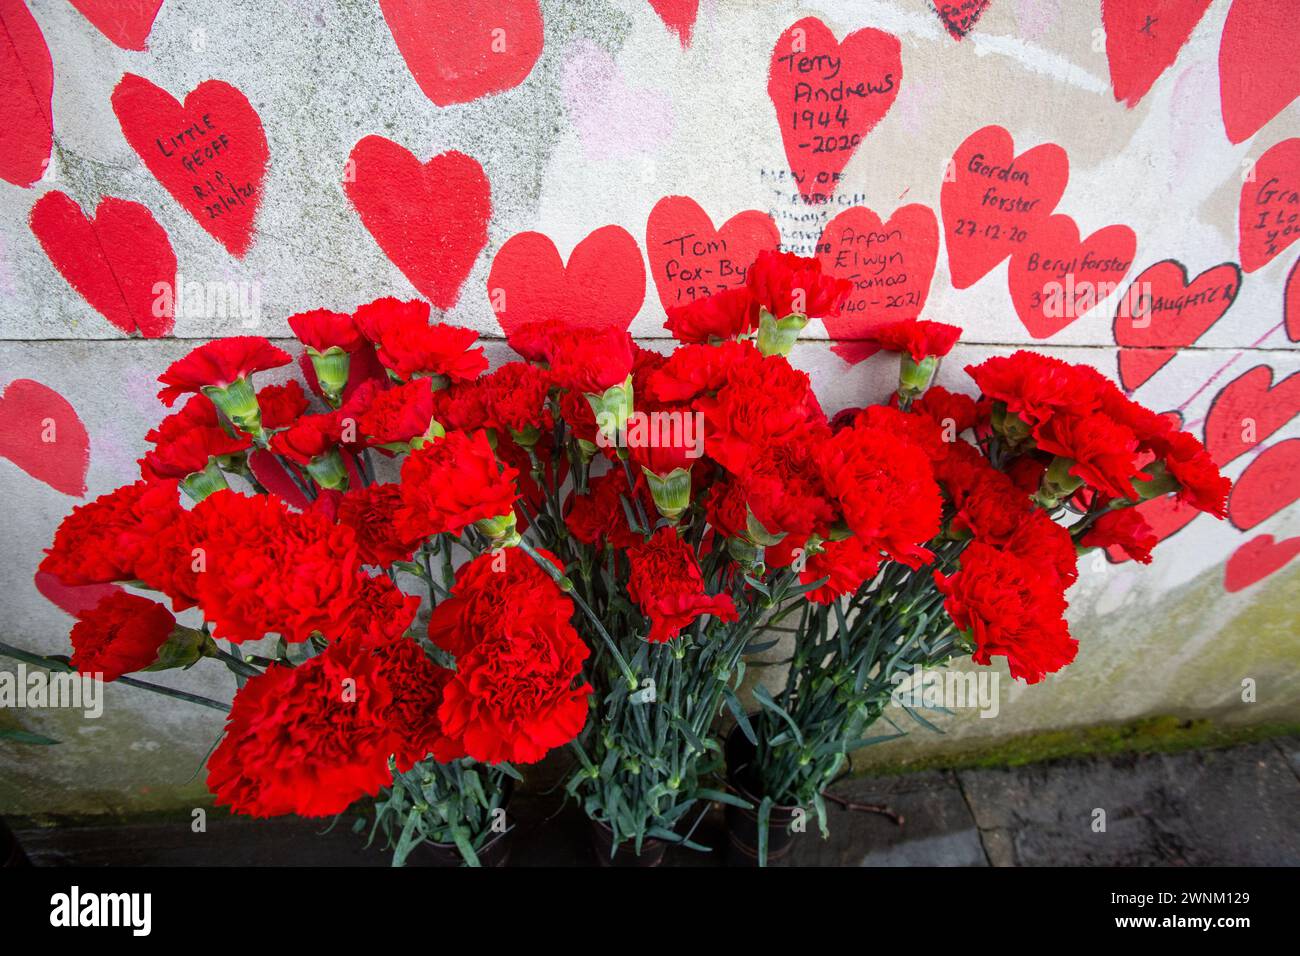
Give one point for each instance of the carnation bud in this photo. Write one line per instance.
(777, 336)
(915, 377)
(528, 438)
(1160, 483)
(331, 367)
(238, 402)
(200, 484)
(757, 534)
(183, 647)
(1012, 429)
(328, 471)
(612, 409)
(748, 555)
(671, 492)
(500, 531)
(1058, 484)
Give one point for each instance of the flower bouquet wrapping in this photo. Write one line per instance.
(424, 576)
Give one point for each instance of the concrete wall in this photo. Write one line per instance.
(616, 113)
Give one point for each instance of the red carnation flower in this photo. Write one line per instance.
(121, 634)
(416, 684)
(783, 486)
(186, 454)
(307, 740)
(786, 284)
(916, 338)
(281, 404)
(760, 404)
(1124, 528)
(1104, 452)
(490, 588)
(598, 516)
(452, 482)
(219, 363)
(1199, 482)
(372, 514)
(846, 565)
(591, 360)
(719, 317)
(665, 582)
(380, 611)
(101, 541)
(886, 490)
(514, 399)
(271, 571)
(409, 346)
(322, 330)
(1011, 610)
(953, 412)
(308, 438)
(517, 692)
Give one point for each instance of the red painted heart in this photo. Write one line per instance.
(116, 261)
(126, 22)
(959, 17)
(1259, 72)
(679, 16)
(1162, 312)
(430, 219)
(1257, 559)
(26, 85)
(992, 199)
(1143, 38)
(459, 50)
(890, 265)
(75, 599)
(41, 434)
(690, 259)
(1247, 411)
(603, 283)
(1267, 486)
(209, 152)
(1268, 213)
(1291, 303)
(1056, 279)
(828, 96)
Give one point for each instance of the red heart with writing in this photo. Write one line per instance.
(992, 199)
(690, 259)
(603, 283)
(41, 433)
(459, 50)
(1291, 303)
(959, 17)
(26, 85)
(890, 265)
(115, 261)
(1268, 213)
(430, 219)
(75, 599)
(1257, 559)
(1143, 38)
(1056, 279)
(126, 22)
(1162, 312)
(679, 16)
(1247, 411)
(1267, 486)
(209, 152)
(1259, 72)
(828, 96)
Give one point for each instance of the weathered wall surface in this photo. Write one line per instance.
(615, 114)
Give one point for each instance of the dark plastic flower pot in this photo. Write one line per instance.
(602, 838)
(742, 824)
(494, 853)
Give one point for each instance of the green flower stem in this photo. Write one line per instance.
(54, 664)
(567, 586)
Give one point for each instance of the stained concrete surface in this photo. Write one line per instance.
(1235, 806)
